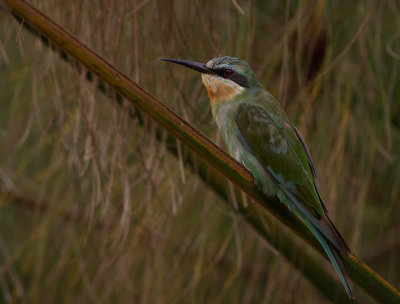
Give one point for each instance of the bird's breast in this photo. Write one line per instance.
(223, 114)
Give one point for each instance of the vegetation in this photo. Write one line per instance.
(133, 216)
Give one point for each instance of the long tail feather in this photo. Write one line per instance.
(328, 236)
(336, 259)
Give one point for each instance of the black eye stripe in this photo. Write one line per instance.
(239, 79)
(221, 72)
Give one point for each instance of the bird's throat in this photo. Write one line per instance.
(219, 89)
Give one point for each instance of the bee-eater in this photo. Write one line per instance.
(259, 135)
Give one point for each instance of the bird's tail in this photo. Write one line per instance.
(328, 236)
(335, 253)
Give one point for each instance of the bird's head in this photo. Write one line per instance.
(224, 77)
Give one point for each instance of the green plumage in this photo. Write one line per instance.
(275, 144)
(258, 134)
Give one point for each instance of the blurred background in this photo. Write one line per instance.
(94, 209)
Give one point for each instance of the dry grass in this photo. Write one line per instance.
(145, 230)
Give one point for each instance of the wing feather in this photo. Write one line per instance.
(277, 146)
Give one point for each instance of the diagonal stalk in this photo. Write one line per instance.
(360, 273)
(316, 274)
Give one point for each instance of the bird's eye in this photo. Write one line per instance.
(228, 72)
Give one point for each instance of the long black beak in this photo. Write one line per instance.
(197, 66)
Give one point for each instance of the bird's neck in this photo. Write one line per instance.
(221, 90)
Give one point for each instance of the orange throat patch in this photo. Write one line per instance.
(220, 89)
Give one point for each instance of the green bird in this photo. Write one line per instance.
(259, 135)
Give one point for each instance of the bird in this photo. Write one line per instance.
(259, 135)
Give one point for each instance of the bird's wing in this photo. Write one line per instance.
(310, 162)
(267, 133)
